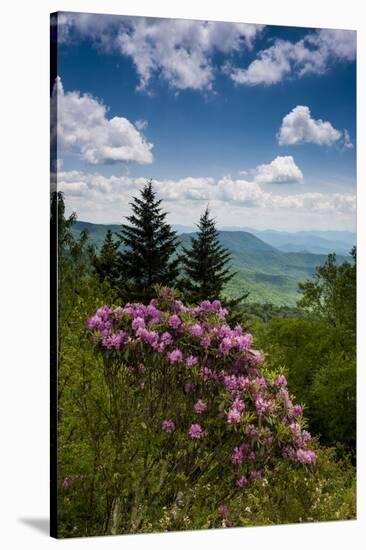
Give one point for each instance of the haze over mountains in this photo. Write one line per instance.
(269, 263)
(315, 241)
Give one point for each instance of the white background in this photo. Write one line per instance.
(24, 286)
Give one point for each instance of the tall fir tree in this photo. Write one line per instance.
(207, 263)
(148, 248)
(106, 263)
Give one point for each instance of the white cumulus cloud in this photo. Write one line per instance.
(180, 51)
(314, 53)
(176, 51)
(95, 194)
(299, 127)
(280, 170)
(83, 126)
(347, 144)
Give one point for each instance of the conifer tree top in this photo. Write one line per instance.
(149, 245)
(206, 264)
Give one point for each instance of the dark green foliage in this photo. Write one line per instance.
(295, 496)
(96, 231)
(253, 311)
(106, 264)
(319, 352)
(206, 263)
(332, 294)
(148, 247)
(321, 373)
(333, 400)
(61, 226)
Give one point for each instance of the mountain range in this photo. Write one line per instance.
(316, 241)
(270, 271)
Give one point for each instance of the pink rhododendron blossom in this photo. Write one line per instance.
(225, 346)
(179, 306)
(305, 457)
(93, 322)
(164, 341)
(284, 396)
(174, 321)
(114, 341)
(170, 338)
(238, 453)
(67, 482)
(206, 305)
(153, 312)
(195, 431)
(260, 381)
(228, 523)
(244, 342)
(224, 331)
(196, 330)
(168, 425)
(236, 383)
(295, 428)
(137, 323)
(117, 312)
(262, 406)
(200, 407)
(251, 431)
(238, 331)
(233, 416)
(255, 357)
(238, 404)
(256, 474)
(242, 481)
(190, 361)
(175, 356)
(281, 380)
(205, 342)
(223, 511)
(148, 336)
(297, 410)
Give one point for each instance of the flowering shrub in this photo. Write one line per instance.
(193, 379)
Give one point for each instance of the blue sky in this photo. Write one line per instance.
(256, 121)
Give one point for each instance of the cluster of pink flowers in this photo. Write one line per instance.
(303, 456)
(195, 431)
(242, 481)
(200, 407)
(212, 363)
(175, 356)
(234, 414)
(168, 425)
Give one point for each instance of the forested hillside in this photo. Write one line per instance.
(182, 408)
(267, 273)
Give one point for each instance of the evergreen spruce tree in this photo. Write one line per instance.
(60, 226)
(149, 245)
(206, 264)
(105, 264)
